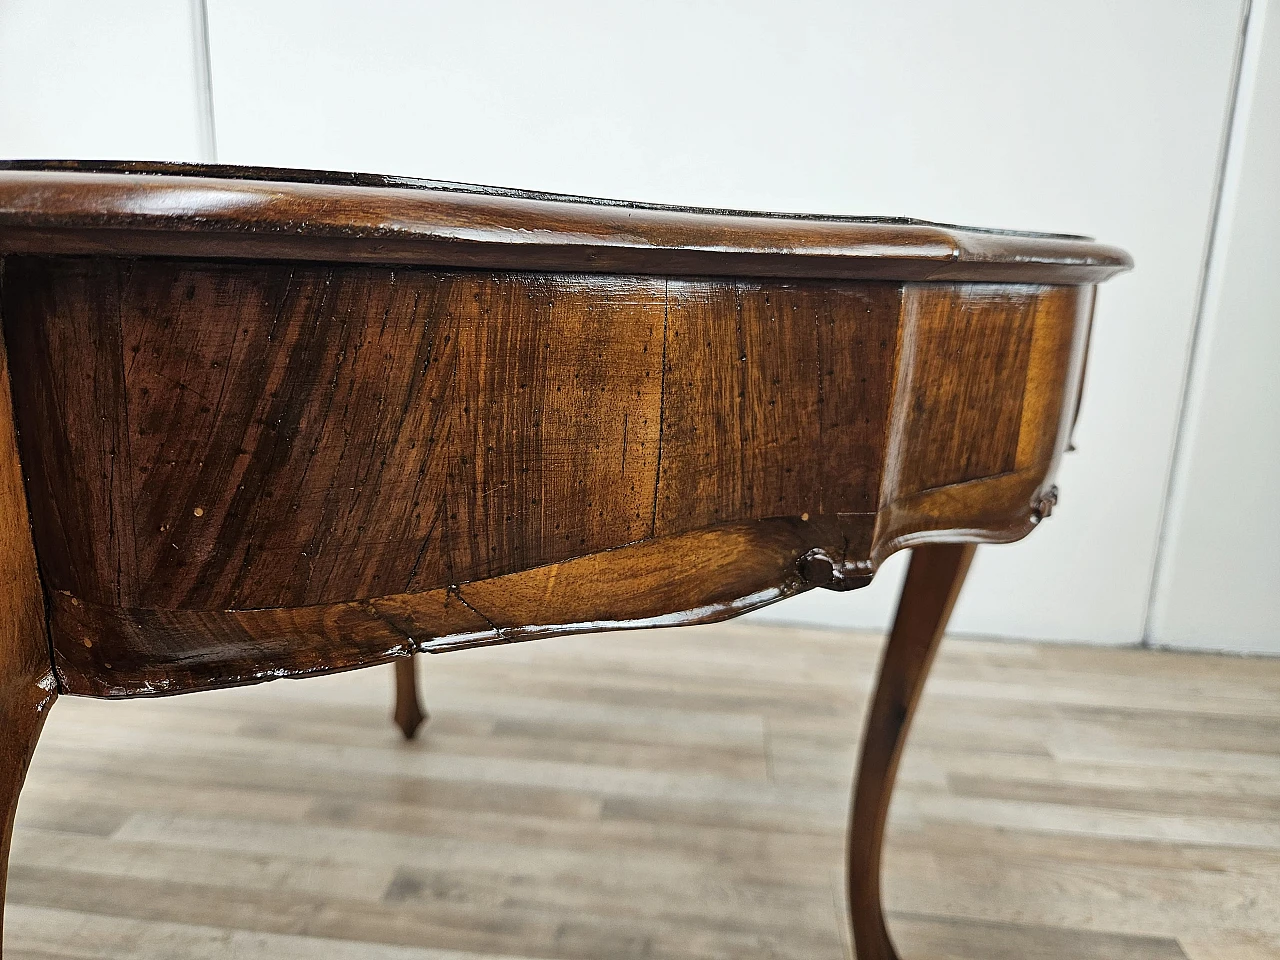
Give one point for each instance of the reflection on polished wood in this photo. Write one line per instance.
(677, 793)
(27, 687)
(280, 423)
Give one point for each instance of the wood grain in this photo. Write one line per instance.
(297, 435)
(243, 471)
(702, 576)
(27, 686)
(191, 210)
(1007, 412)
(775, 403)
(968, 370)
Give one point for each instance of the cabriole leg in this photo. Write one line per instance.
(934, 579)
(27, 687)
(23, 708)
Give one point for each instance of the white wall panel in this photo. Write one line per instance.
(1104, 117)
(1095, 117)
(87, 79)
(1219, 585)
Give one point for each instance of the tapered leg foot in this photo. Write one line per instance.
(23, 708)
(409, 714)
(934, 579)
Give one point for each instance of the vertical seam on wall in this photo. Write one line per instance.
(204, 82)
(1195, 351)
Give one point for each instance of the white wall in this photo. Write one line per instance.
(98, 80)
(1103, 117)
(1219, 585)
(1096, 117)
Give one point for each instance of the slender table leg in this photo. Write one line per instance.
(409, 715)
(23, 708)
(933, 582)
(27, 686)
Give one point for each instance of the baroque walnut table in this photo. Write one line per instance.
(272, 423)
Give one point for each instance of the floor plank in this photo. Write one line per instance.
(677, 794)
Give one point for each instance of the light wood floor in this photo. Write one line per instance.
(676, 794)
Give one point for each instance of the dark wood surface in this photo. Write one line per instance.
(191, 210)
(240, 470)
(27, 686)
(933, 583)
(278, 425)
(409, 714)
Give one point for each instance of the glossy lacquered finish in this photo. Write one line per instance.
(262, 470)
(932, 586)
(27, 686)
(275, 424)
(152, 209)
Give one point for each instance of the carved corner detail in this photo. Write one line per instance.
(819, 568)
(1043, 507)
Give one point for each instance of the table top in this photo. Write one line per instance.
(171, 209)
(281, 422)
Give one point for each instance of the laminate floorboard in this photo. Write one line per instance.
(671, 794)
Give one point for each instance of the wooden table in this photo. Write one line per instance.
(274, 423)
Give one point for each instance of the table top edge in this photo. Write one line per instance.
(68, 207)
